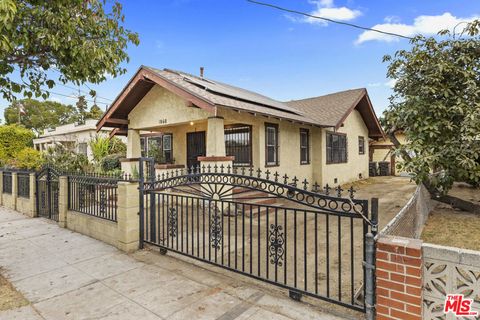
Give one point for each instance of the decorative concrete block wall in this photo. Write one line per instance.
(398, 278)
(448, 271)
(12, 200)
(123, 233)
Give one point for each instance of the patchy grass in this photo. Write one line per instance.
(10, 298)
(453, 228)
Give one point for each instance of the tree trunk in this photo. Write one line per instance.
(459, 203)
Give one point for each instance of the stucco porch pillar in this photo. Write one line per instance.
(215, 153)
(215, 137)
(133, 144)
(130, 163)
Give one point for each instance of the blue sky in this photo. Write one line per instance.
(281, 55)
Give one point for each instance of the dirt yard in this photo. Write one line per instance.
(302, 248)
(393, 193)
(10, 298)
(450, 227)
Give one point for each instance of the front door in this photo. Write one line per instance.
(195, 148)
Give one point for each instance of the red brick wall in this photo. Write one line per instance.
(399, 282)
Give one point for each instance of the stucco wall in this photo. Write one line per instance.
(161, 110)
(356, 163)
(289, 142)
(96, 228)
(26, 206)
(8, 201)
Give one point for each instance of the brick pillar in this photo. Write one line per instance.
(62, 201)
(14, 190)
(399, 278)
(33, 196)
(127, 216)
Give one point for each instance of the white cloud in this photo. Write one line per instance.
(426, 25)
(327, 9)
(391, 83)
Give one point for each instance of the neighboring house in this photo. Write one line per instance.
(382, 150)
(194, 120)
(73, 136)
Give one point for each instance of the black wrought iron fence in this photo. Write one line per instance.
(274, 228)
(95, 196)
(23, 184)
(7, 182)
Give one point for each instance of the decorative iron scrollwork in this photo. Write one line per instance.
(103, 201)
(215, 227)
(55, 200)
(81, 198)
(172, 222)
(43, 200)
(277, 242)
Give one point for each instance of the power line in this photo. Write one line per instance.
(328, 19)
(68, 96)
(82, 91)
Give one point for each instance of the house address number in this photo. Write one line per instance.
(162, 121)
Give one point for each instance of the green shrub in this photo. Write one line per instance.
(111, 163)
(100, 146)
(13, 139)
(117, 147)
(67, 160)
(28, 158)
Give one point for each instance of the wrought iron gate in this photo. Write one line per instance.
(47, 193)
(312, 243)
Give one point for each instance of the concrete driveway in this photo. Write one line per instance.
(66, 275)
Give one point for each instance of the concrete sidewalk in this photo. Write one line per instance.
(66, 275)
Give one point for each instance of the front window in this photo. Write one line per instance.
(361, 145)
(83, 148)
(304, 146)
(238, 143)
(336, 148)
(271, 144)
(159, 147)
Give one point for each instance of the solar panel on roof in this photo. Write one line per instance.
(238, 93)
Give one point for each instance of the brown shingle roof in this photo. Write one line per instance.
(329, 109)
(325, 111)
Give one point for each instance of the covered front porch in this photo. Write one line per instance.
(213, 140)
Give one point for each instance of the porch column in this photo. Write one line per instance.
(215, 137)
(133, 144)
(130, 163)
(216, 155)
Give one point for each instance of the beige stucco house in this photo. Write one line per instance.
(382, 150)
(194, 120)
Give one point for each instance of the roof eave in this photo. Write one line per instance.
(145, 74)
(363, 94)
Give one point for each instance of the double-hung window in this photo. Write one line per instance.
(361, 145)
(336, 148)
(159, 147)
(304, 146)
(271, 144)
